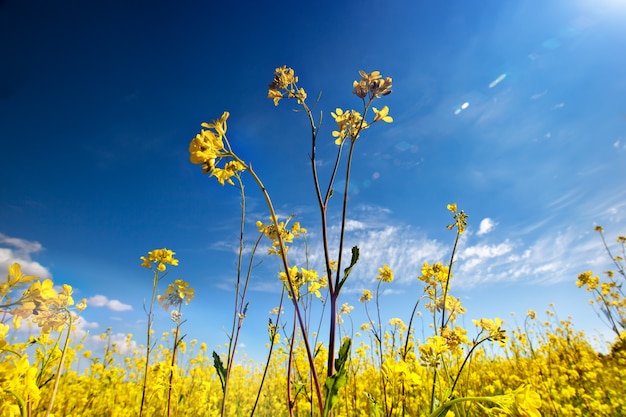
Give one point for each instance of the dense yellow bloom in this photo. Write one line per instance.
(372, 84)
(175, 294)
(385, 274)
(366, 296)
(345, 309)
(587, 278)
(350, 123)
(285, 80)
(494, 329)
(527, 402)
(16, 279)
(225, 174)
(160, 257)
(431, 351)
(208, 149)
(286, 235)
(436, 274)
(397, 322)
(455, 339)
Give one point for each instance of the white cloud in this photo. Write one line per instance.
(18, 250)
(82, 327)
(352, 225)
(486, 225)
(121, 340)
(104, 301)
(486, 251)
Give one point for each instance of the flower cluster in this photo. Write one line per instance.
(302, 277)
(385, 274)
(608, 294)
(285, 85)
(159, 257)
(436, 278)
(175, 293)
(210, 146)
(493, 328)
(460, 219)
(351, 123)
(372, 85)
(45, 306)
(287, 235)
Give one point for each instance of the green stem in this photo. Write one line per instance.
(61, 364)
(155, 281)
(283, 255)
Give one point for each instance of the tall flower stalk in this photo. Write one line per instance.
(157, 261)
(212, 150)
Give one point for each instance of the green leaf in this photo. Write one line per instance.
(353, 261)
(336, 381)
(219, 368)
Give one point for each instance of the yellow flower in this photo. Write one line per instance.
(366, 296)
(460, 219)
(161, 257)
(372, 83)
(431, 351)
(494, 328)
(397, 322)
(231, 169)
(382, 115)
(219, 126)
(275, 95)
(527, 402)
(285, 80)
(175, 293)
(346, 309)
(349, 123)
(283, 77)
(385, 274)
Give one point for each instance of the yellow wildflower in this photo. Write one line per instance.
(382, 114)
(160, 257)
(527, 402)
(366, 296)
(385, 274)
(175, 293)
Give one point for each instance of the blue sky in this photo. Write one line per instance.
(513, 110)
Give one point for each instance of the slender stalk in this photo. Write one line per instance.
(239, 313)
(444, 321)
(290, 402)
(269, 356)
(61, 364)
(172, 363)
(150, 314)
(283, 255)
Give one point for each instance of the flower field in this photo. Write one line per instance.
(541, 366)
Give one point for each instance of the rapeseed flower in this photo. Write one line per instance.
(385, 274)
(366, 296)
(159, 257)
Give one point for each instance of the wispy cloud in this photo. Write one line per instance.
(486, 225)
(13, 249)
(111, 304)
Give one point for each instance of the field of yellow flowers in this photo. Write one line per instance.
(554, 365)
(541, 367)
